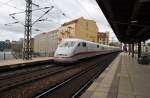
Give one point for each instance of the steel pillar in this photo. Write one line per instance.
(139, 49)
(27, 49)
(132, 49)
(143, 47)
(129, 45)
(125, 48)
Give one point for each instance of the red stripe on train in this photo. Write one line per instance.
(89, 52)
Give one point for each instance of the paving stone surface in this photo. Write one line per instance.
(124, 78)
(105, 86)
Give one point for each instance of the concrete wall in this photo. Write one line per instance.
(45, 44)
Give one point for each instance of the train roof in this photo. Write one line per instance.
(73, 39)
(81, 40)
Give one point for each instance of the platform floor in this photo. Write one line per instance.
(20, 61)
(124, 78)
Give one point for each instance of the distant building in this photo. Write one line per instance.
(79, 28)
(7, 41)
(103, 38)
(17, 46)
(45, 44)
(4, 45)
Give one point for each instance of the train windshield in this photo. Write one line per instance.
(67, 44)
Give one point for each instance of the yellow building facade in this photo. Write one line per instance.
(79, 28)
(103, 38)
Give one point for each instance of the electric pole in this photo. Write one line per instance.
(27, 48)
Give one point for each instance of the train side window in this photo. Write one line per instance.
(79, 45)
(84, 44)
(97, 46)
(66, 44)
(72, 44)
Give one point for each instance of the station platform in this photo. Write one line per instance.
(123, 78)
(4, 64)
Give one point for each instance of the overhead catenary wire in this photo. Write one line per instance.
(60, 10)
(47, 19)
(32, 10)
(39, 19)
(43, 15)
(13, 17)
(56, 8)
(9, 24)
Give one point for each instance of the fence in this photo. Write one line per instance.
(6, 56)
(18, 55)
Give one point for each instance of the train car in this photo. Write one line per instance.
(71, 50)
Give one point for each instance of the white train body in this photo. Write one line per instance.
(71, 50)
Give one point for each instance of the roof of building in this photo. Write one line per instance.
(74, 21)
(44, 33)
(71, 22)
(54, 31)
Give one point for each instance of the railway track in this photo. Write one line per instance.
(56, 91)
(36, 81)
(17, 76)
(14, 73)
(25, 75)
(74, 86)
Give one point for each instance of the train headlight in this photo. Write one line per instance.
(62, 54)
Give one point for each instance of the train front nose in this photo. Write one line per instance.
(63, 56)
(62, 52)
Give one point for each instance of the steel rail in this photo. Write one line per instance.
(99, 70)
(63, 83)
(30, 76)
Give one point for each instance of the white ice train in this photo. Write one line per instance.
(71, 50)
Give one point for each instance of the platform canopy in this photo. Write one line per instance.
(129, 19)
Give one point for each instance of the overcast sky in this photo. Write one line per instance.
(72, 8)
